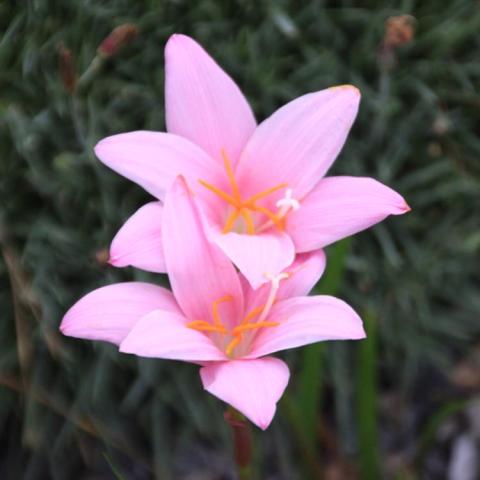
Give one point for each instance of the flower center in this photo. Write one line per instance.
(245, 209)
(252, 321)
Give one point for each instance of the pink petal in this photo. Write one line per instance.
(299, 142)
(163, 334)
(139, 242)
(253, 387)
(256, 255)
(199, 272)
(304, 272)
(110, 312)
(305, 320)
(202, 102)
(339, 207)
(154, 159)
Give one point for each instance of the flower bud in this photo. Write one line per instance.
(118, 38)
(66, 66)
(399, 30)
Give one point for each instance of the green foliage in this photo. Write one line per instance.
(70, 408)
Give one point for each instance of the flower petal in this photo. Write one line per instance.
(339, 207)
(163, 334)
(198, 270)
(202, 102)
(304, 273)
(139, 242)
(305, 320)
(154, 159)
(110, 312)
(253, 387)
(299, 142)
(255, 255)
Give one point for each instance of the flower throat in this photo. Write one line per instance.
(246, 208)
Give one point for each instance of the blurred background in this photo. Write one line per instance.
(403, 404)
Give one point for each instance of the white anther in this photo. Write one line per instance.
(288, 201)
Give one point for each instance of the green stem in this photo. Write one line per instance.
(367, 395)
(242, 442)
(90, 73)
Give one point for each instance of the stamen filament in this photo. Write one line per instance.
(232, 345)
(206, 327)
(273, 218)
(231, 177)
(228, 198)
(230, 221)
(263, 194)
(253, 326)
(254, 313)
(248, 221)
(216, 316)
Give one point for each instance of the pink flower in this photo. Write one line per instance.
(261, 187)
(213, 317)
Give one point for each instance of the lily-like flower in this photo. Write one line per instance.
(213, 317)
(262, 188)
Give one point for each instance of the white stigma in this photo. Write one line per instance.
(288, 201)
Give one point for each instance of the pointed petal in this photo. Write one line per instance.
(253, 387)
(110, 312)
(154, 159)
(304, 272)
(202, 102)
(305, 320)
(339, 207)
(255, 255)
(139, 242)
(163, 334)
(299, 142)
(199, 272)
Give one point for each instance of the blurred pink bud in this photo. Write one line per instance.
(118, 38)
(66, 65)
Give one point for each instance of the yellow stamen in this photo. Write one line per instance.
(264, 194)
(231, 178)
(271, 216)
(215, 314)
(203, 326)
(253, 326)
(232, 345)
(230, 221)
(236, 332)
(228, 198)
(247, 216)
(243, 208)
(254, 313)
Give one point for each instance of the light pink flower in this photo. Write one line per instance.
(213, 317)
(262, 187)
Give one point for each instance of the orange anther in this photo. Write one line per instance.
(215, 314)
(203, 326)
(228, 198)
(264, 194)
(253, 326)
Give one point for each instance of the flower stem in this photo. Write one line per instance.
(242, 442)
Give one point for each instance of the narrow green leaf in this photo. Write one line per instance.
(367, 395)
(310, 381)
